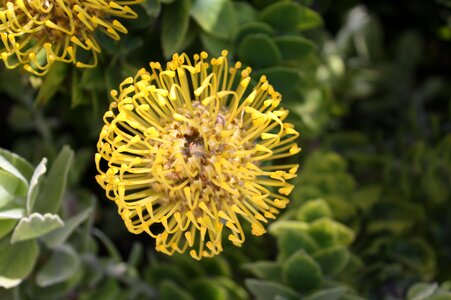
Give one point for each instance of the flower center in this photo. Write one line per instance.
(203, 151)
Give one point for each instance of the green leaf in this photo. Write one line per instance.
(113, 76)
(291, 241)
(305, 2)
(16, 261)
(214, 45)
(284, 79)
(252, 28)
(135, 255)
(295, 47)
(313, 210)
(435, 188)
(310, 19)
(446, 285)
(117, 49)
(415, 253)
(49, 200)
(107, 290)
(234, 290)
(290, 17)
(421, 291)
(217, 17)
(341, 206)
(347, 296)
(52, 82)
(152, 7)
(244, 12)
(302, 272)
(12, 213)
(371, 39)
(93, 274)
(170, 291)
(20, 164)
(59, 236)
(188, 266)
(217, 266)
(62, 264)
(87, 242)
(354, 265)
(259, 51)
(80, 163)
(164, 271)
(92, 79)
(12, 83)
(10, 186)
(113, 252)
(279, 227)
(13, 165)
(444, 296)
(204, 289)
(324, 162)
(264, 3)
(327, 294)
(143, 20)
(332, 260)
(327, 233)
(34, 226)
(395, 216)
(6, 226)
(34, 184)
(268, 290)
(366, 197)
(266, 270)
(76, 93)
(174, 26)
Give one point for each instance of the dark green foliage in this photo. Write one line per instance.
(301, 272)
(287, 17)
(175, 21)
(266, 290)
(169, 290)
(259, 50)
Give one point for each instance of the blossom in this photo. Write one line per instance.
(36, 33)
(186, 153)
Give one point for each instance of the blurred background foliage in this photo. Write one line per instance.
(367, 84)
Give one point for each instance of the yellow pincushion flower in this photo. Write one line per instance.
(35, 33)
(185, 154)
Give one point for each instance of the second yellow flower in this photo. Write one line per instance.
(36, 33)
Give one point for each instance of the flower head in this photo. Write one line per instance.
(35, 33)
(188, 150)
